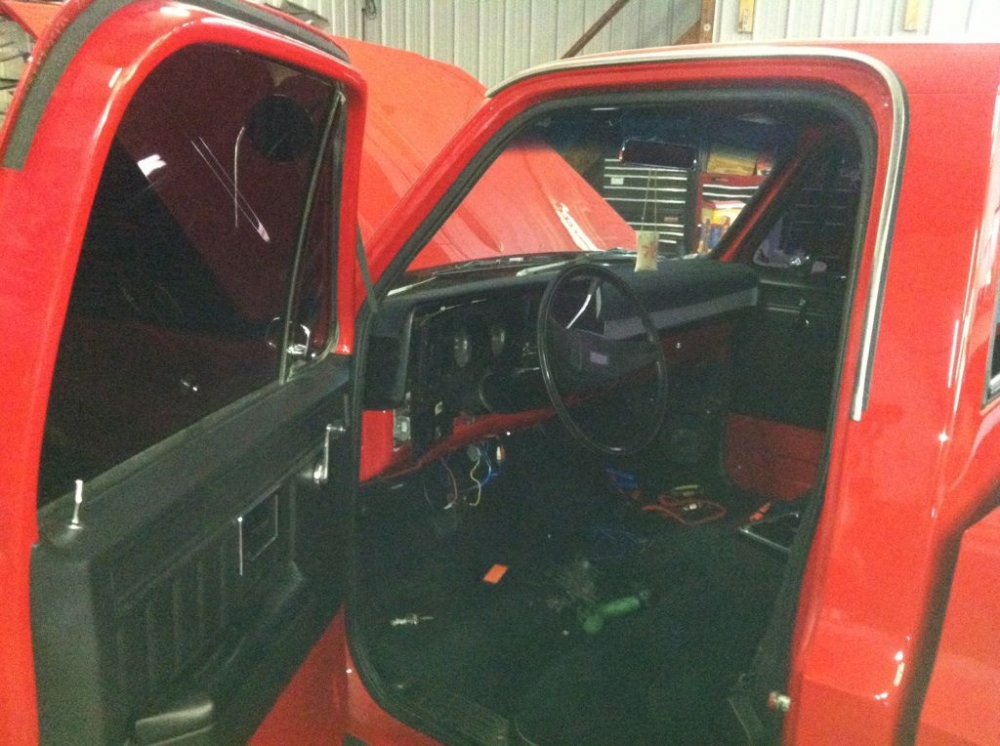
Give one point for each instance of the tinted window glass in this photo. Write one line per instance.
(816, 230)
(182, 285)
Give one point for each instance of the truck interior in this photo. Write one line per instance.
(600, 465)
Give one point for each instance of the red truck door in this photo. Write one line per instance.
(179, 202)
(962, 701)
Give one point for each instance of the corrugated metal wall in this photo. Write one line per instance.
(493, 39)
(836, 19)
(14, 48)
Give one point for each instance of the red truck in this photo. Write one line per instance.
(660, 409)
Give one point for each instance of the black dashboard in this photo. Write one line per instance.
(464, 342)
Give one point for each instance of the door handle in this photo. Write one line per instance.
(321, 472)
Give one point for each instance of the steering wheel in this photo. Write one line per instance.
(601, 359)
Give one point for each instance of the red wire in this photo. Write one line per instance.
(675, 507)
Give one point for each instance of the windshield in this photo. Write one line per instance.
(669, 180)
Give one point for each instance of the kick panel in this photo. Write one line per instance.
(785, 353)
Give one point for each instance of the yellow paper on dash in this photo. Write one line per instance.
(647, 245)
(495, 574)
(734, 161)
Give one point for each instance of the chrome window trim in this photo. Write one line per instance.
(894, 170)
(994, 387)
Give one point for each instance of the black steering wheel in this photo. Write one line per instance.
(601, 359)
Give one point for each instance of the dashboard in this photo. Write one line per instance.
(464, 343)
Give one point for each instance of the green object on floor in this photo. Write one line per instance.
(593, 621)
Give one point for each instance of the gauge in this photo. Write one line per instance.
(498, 339)
(461, 347)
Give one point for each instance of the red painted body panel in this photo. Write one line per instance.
(32, 17)
(963, 701)
(326, 700)
(413, 117)
(903, 483)
(312, 709)
(419, 106)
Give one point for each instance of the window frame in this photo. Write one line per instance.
(330, 145)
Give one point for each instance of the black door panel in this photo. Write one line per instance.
(197, 571)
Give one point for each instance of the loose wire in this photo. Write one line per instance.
(454, 485)
(472, 475)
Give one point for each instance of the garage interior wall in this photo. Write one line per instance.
(493, 39)
(14, 48)
(960, 20)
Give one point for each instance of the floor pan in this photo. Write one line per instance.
(624, 627)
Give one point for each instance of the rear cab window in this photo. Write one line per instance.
(814, 232)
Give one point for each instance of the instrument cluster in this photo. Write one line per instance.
(473, 358)
(472, 338)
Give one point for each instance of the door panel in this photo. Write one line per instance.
(154, 600)
(962, 705)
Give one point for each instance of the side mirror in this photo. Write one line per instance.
(657, 154)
